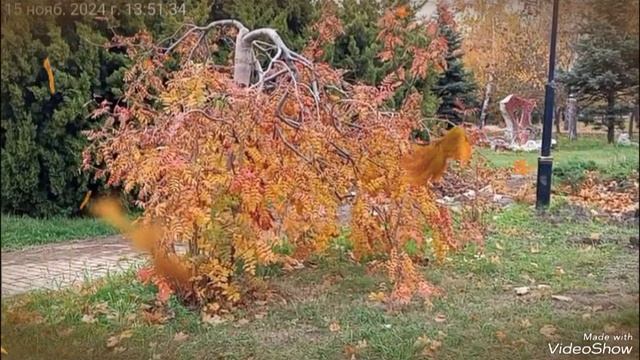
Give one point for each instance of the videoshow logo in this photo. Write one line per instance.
(600, 346)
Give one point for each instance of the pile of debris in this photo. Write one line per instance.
(482, 186)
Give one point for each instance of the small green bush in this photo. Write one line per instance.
(574, 171)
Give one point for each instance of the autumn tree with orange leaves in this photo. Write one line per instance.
(236, 160)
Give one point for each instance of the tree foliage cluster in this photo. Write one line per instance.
(237, 172)
(41, 136)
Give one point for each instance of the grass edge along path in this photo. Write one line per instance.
(19, 232)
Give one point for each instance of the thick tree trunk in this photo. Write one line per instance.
(611, 118)
(243, 63)
(485, 103)
(557, 117)
(571, 117)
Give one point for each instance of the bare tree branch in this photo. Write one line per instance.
(206, 29)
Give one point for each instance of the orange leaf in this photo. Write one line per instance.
(430, 162)
(402, 12)
(145, 274)
(86, 199)
(520, 167)
(164, 290)
(47, 67)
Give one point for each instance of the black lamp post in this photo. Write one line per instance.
(545, 160)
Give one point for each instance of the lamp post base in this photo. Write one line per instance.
(543, 189)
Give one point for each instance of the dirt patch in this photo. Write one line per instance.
(289, 335)
(598, 239)
(620, 290)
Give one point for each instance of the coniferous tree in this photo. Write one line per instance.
(605, 73)
(455, 86)
(41, 133)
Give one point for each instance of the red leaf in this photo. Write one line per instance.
(145, 274)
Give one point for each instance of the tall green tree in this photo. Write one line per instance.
(291, 18)
(358, 49)
(41, 133)
(455, 87)
(605, 72)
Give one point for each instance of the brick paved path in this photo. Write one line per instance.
(59, 265)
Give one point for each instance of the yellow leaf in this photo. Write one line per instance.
(86, 199)
(440, 318)
(429, 162)
(334, 327)
(501, 335)
(377, 296)
(180, 336)
(47, 67)
(520, 167)
(549, 331)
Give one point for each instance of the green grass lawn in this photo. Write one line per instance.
(479, 316)
(22, 231)
(609, 158)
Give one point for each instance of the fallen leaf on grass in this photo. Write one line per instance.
(89, 319)
(334, 327)
(377, 296)
(243, 321)
(440, 318)
(260, 315)
(430, 346)
(352, 350)
(181, 336)
(561, 298)
(126, 334)
(549, 331)
(212, 319)
(435, 345)
(156, 314)
(501, 336)
(113, 341)
(609, 328)
(520, 342)
(525, 323)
